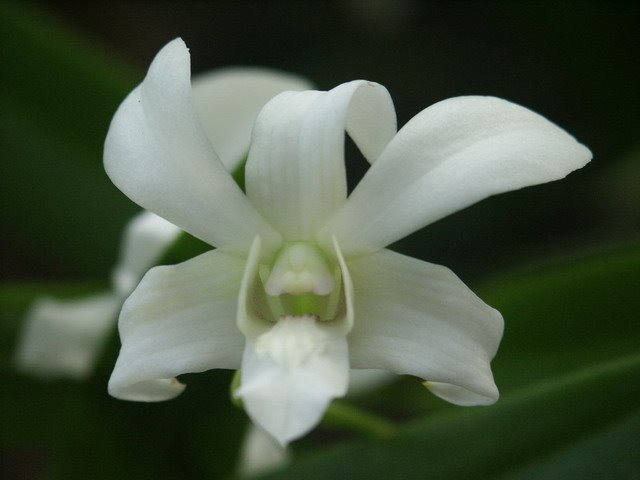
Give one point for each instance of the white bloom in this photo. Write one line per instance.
(300, 287)
(62, 338)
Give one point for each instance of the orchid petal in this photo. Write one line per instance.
(180, 319)
(63, 338)
(449, 156)
(295, 174)
(145, 239)
(291, 373)
(458, 395)
(228, 102)
(419, 319)
(254, 316)
(260, 453)
(344, 317)
(157, 153)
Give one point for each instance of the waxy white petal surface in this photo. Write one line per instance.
(158, 154)
(295, 173)
(291, 373)
(178, 320)
(451, 155)
(419, 319)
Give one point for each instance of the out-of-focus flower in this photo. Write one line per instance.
(260, 453)
(62, 338)
(301, 268)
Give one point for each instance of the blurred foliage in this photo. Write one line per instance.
(568, 367)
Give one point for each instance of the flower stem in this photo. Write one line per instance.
(348, 417)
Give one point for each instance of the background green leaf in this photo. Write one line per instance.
(579, 312)
(57, 97)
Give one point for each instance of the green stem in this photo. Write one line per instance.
(348, 417)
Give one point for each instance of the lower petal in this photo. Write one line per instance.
(419, 319)
(290, 374)
(180, 319)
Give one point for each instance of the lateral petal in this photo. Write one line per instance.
(419, 319)
(295, 173)
(449, 156)
(158, 154)
(228, 102)
(62, 338)
(180, 319)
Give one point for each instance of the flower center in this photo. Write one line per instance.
(302, 282)
(299, 268)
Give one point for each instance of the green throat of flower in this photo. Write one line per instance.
(302, 281)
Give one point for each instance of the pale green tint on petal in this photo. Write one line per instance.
(295, 173)
(291, 373)
(228, 102)
(344, 320)
(62, 339)
(260, 453)
(146, 238)
(180, 319)
(419, 319)
(449, 156)
(254, 315)
(258, 312)
(158, 154)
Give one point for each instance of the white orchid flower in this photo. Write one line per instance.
(300, 287)
(62, 338)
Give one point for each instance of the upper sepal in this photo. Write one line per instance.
(158, 154)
